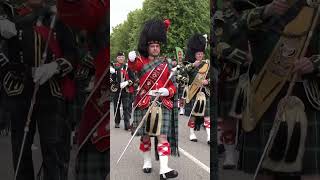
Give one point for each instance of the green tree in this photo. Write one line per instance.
(187, 17)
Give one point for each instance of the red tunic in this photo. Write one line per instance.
(89, 15)
(137, 66)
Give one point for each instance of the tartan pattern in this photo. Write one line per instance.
(192, 74)
(189, 106)
(254, 142)
(165, 126)
(170, 117)
(191, 124)
(145, 146)
(226, 95)
(206, 123)
(126, 100)
(92, 164)
(180, 90)
(164, 149)
(75, 108)
(169, 125)
(148, 67)
(214, 161)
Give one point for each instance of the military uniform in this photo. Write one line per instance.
(197, 94)
(84, 77)
(94, 154)
(123, 74)
(265, 34)
(153, 75)
(25, 51)
(232, 53)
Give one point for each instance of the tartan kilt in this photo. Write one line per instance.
(180, 91)
(75, 107)
(125, 97)
(166, 118)
(92, 164)
(225, 97)
(188, 107)
(254, 142)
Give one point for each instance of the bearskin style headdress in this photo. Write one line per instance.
(154, 31)
(120, 54)
(196, 43)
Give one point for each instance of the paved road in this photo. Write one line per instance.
(130, 167)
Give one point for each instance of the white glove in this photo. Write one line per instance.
(132, 56)
(112, 70)
(124, 84)
(45, 72)
(7, 28)
(163, 92)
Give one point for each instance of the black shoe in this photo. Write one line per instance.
(147, 170)
(117, 126)
(168, 175)
(194, 140)
(127, 127)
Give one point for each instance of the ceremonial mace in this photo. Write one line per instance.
(281, 109)
(34, 98)
(145, 116)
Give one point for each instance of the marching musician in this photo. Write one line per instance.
(197, 91)
(232, 52)
(162, 121)
(123, 78)
(284, 41)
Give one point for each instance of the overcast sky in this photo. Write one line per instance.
(119, 9)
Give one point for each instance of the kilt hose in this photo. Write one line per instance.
(169, 125)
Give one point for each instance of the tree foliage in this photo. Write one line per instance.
(187, 17)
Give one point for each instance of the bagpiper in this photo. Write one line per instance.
(282, 113)
(232, 52)
(197, 91)
(162, 121)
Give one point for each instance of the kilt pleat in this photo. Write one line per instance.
(92, 164)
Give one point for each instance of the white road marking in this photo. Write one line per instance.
(195, 160)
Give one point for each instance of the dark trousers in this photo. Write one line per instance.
(54, 130)
(126, 101)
